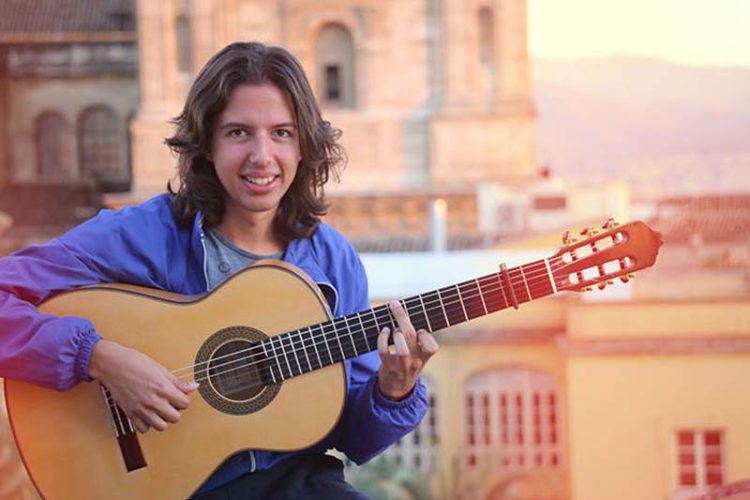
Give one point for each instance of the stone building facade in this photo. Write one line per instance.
(68, 89)
(429, 93)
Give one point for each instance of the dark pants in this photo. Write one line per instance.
(297, 478)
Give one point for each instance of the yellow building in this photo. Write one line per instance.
(639, 393)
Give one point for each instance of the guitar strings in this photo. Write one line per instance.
(532, 276)
(532, 281)
(325, 334)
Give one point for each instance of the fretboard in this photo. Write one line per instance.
(294, 353)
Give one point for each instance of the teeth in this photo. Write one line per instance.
(261, 181)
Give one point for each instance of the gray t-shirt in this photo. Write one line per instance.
(224, 258)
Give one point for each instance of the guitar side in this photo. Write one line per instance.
(67, 440)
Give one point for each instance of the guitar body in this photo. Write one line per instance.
(67, 439)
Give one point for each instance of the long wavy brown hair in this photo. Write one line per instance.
(322, 156)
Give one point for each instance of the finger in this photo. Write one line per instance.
(176, 392)
(154, 420)
(168, 413)
(401, 317)
(139, 424)
(427, 344)
(383, 341)
(399, 342)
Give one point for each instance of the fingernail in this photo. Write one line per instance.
(191, 386)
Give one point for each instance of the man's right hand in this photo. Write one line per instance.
(147, 392)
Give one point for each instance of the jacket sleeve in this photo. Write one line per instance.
(54, 351)
(371, 423)
(40, 348)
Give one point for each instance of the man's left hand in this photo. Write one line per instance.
(401, 364)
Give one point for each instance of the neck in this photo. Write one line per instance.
(253, 233)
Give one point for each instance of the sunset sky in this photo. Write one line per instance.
(694, 32)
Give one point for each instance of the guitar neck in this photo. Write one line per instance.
(317, 346)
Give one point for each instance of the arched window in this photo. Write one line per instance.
(418, 449)
(183, 39)
(486, 35)
(52, 154)
(335, 66)
(512, 419)
(100, 146)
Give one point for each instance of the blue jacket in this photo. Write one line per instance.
(143, 245)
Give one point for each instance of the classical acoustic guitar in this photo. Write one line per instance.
(269, 359)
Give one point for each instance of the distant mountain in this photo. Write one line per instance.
(666, 128)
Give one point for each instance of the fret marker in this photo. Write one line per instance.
(551, 278)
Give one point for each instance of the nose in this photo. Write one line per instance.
(260, 150)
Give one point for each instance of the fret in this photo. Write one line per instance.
(283, 352)
(351, 336)
(375, 317)
(338, 340)
(452, 304)
(549, 274)
(481, 296)
(525, 283)
(286, 342)
(364, 332)
(438, 318)
(426, 316)
(442, 308)
(304, 350)
(324, 336)
(471, 296)
(315, 346)
(461, 301)
(270, 366)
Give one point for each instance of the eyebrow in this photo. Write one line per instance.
(242, 125)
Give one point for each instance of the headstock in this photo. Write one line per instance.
(601, 255)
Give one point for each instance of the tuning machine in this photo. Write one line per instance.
(589, 231)
(567, 239)
(610, 224)
(603, 284)
(627, 277)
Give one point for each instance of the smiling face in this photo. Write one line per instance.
(255, 149)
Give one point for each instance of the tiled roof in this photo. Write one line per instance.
(704, 219)
(66, 16)
(416, 243)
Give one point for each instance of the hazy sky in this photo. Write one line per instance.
(696, 32)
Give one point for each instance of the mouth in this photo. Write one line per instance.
(259, 181)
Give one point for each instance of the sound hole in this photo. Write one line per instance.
(239, 376)
(234, 372)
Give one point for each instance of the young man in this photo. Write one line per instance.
(254, 155)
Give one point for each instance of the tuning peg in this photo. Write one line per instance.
(610, 223)
(567, 239)
(631, 276)
(587, 289)
(603, 284)
(625, 278)
(589, 231)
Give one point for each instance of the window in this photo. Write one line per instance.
(700, 460)
(418, 449)
(334, 59)
(52, 158)
(486, 36)
(100, 146)
(512, 419)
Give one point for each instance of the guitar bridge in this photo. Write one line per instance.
(127, 438)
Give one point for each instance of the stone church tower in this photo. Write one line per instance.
(430, 94)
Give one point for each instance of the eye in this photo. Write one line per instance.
(283, 132)
(237, 132)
